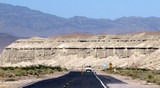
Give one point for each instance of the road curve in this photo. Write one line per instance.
(71, 80)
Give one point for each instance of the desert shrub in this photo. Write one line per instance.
(65, 69)
(8, 68)
(152, 76)
(8, 75)
(2, 72)
(30, 72)
(19, 72)
(36, 70)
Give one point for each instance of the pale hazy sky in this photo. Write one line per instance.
(111, 9)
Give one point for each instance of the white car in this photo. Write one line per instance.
(88, 68)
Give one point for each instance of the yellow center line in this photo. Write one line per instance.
(65, 86)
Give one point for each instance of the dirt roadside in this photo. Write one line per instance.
(26, 80)
(118, 81)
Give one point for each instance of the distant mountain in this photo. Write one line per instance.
(6, 39)
(22, 21)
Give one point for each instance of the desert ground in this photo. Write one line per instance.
(28, 80)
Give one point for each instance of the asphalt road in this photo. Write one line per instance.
(71, 80)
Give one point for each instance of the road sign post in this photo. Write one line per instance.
(110, 65)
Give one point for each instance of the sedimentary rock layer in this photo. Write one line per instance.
(79, 46)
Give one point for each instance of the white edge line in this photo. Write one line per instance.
(100, 81)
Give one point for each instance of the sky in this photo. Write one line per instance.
(110, 9)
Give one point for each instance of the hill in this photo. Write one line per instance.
(25, 22)
(75, 51)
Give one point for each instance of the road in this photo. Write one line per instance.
(87, 80)
(71, 80)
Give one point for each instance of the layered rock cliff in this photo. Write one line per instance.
(78, 50)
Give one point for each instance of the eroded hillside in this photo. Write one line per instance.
(78, 50)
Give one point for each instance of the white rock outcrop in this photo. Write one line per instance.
(76, 51)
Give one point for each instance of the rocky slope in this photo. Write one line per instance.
(78, 50)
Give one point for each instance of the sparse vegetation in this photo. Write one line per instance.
(152, 76)
(36, 70)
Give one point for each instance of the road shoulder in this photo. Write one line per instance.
(118, 81)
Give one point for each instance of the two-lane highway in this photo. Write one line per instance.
(86, 80)
(71, 80)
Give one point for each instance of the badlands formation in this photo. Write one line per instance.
(75, 51)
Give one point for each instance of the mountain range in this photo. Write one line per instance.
(24, 22)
